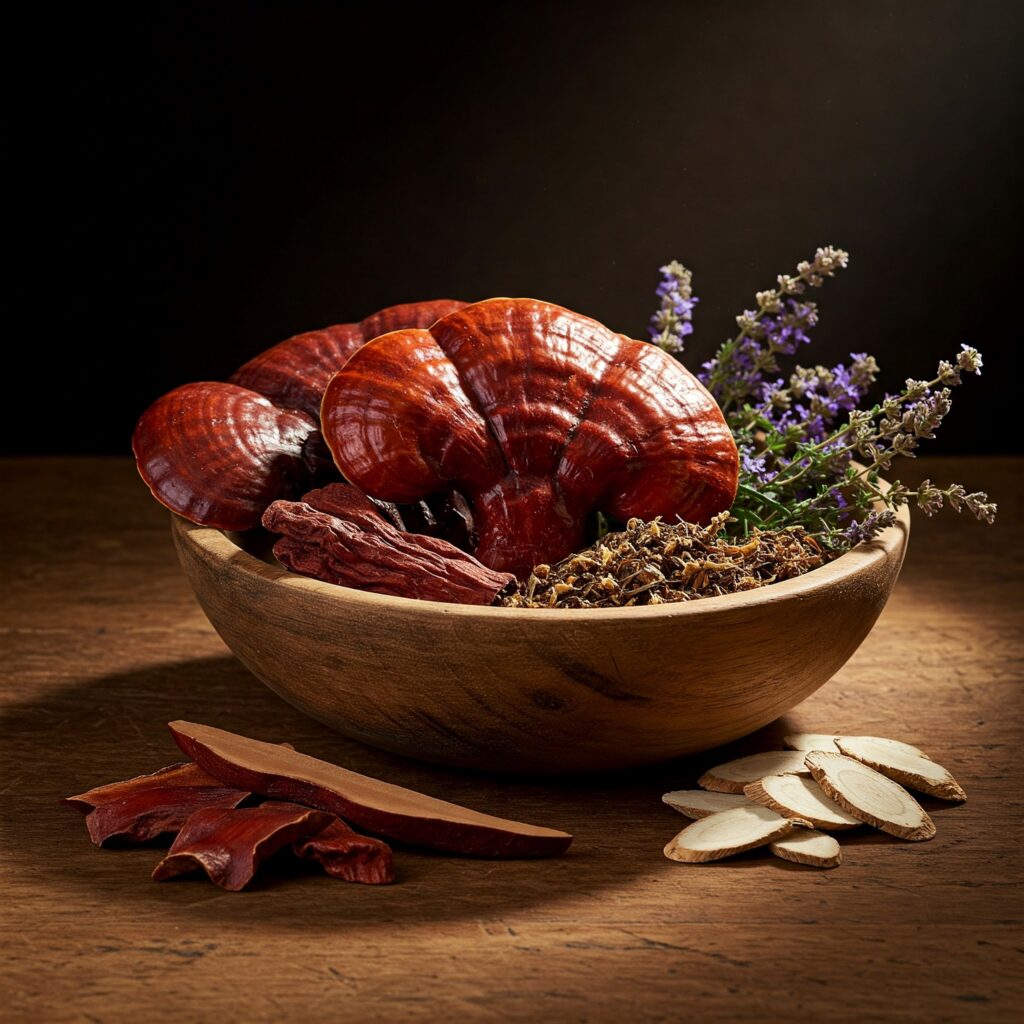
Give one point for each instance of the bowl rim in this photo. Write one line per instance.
(217, 546)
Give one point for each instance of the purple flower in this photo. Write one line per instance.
(754, 351)
(871, 525)
(671, 325)
(788, 330)
(816, 396)
(754, 465)
(837, 497)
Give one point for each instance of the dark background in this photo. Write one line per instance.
(203, 180)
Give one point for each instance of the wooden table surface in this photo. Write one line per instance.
(104, 643)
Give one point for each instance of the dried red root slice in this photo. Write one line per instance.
(903, 764)
(699, 803)
(795, 796)
(230, 845)
(147, 806)
(727, 832)
(345, 854)
(376, 806)
(869, 796)
(732, 776)
(807, 847)
(810, 741)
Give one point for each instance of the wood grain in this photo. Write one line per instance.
(104, 643)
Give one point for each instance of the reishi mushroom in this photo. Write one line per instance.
(536, 414)
(295, 372)
(219, 453)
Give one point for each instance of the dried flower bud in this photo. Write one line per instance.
(969, 359)
(863, 370)
(671, 324)
(828, 259)
(981, 507)
(929, 498)
(902, 444)
(898, 495)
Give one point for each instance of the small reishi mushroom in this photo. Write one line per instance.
(295, 372)
(538, 416)
(219, 453)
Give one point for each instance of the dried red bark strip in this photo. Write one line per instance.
(145, 807)
(343, 501)
(384, 561)
(345, 854)
(379, 807)
(349, 503)
(230, 845)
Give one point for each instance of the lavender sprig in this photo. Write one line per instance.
(671, 325)
(816, 485)
(798, 436)
(778, 326)
(816, 396)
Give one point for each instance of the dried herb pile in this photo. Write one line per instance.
(659, 563)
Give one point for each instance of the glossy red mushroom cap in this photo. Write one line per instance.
(295, 372)
(219, 453)
(539, 416)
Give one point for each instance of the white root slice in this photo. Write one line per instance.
(807, 847)
(900, 763)
(894, 746)
(870, 796)
(795, 796)
(732, 776)
(728, 832)
(699, 803)
(810, 741)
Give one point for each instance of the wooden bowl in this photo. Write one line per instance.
(509, 689)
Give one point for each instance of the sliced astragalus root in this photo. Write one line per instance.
(699, 803)
(728, 832)
(796, 796)
(870, 796)
(806, 847)
(732, 776)
(810, 741)
(904, 764)
(894, 746)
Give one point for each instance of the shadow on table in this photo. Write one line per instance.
(114, 727)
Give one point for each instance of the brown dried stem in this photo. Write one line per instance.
(658, 562)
